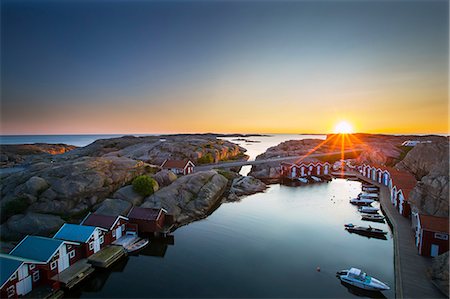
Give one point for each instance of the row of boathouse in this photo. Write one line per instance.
(42, 261)
(431, 233)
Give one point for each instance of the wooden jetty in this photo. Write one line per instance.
(74, 274)
(44, 292)
(411, 269)
(107, 256)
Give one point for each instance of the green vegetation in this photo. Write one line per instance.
(144, 185)
(229, 175)
(206, 159)
(13, 207)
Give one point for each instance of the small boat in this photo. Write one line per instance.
(358, 278)
(139, 244)
(369, 210)
(370, 189)
(361, 201)
(316, 178)
(373, 217)
(366, 231)
(303, 180)
(368, 195)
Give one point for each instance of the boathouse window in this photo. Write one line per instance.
(440, 236)
(32, 266)
(72, 254)
(91, 245)
(53, 265)
(102, 239)
(11, 291)
(123, 227)
(13, 277)
(35, 276)
(114, 233)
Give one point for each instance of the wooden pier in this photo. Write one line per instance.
(107, 256)
(411, 269)
(74, 274)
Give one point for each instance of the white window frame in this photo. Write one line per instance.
(123, 227)
(102, 239)
(53, 265)
(72, 254)
(32, 266)
(114, 233)
(36, 276)
(441, 236)
(11, 291)
(91, 245)
(14, 276)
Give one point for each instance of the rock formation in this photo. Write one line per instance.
(14, 154)
(190, 197)
(439, 272)
(429, 164)
(30, 224)
(245, 185)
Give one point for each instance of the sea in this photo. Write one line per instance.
(287, 242)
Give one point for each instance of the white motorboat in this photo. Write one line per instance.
(369, 210)
(367, 195)
(358, 278)
(361, 201)
(373, 217)
(303, 180)
(316, 178)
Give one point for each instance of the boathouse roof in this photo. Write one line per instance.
(181, 164)
(403, 180)
(433, 223)
(74, 232)
(145, 213)
(103, 221)
(37, 248)
(7, 268)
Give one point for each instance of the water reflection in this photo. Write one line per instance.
(362, 293)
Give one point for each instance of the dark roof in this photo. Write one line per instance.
(433, 223)
(104, 221)
(144, 213)
(37, 248)
(175, 164)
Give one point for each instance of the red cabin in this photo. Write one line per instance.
(150, 220)
(432, 235)
(179, 166)
(116, 226)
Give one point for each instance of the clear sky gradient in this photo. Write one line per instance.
(72, 67)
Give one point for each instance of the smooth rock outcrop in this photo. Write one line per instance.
(165, 177)
(190, 197)
(114, 207)
(69, 186)
(429, 164)
(127, 193)
(21, 225)
(439, 272)
(246, 185)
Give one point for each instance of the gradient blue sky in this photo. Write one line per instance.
(239, 66)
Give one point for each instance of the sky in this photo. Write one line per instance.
(98, 67)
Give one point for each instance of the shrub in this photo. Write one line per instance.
(144, 185)
(206, 159)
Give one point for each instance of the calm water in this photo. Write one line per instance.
(266, 245)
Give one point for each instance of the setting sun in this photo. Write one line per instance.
(343, 127)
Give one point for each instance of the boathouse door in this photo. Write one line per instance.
(24, 286)
(119, 232)
(63, 261)
(434, 250)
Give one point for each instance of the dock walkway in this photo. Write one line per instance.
(411, 278)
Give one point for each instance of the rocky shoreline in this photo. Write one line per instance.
(58, 188)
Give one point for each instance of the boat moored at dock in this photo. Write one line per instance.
(361, 201)
(373, 217)
(360, 279)
(368, 210)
